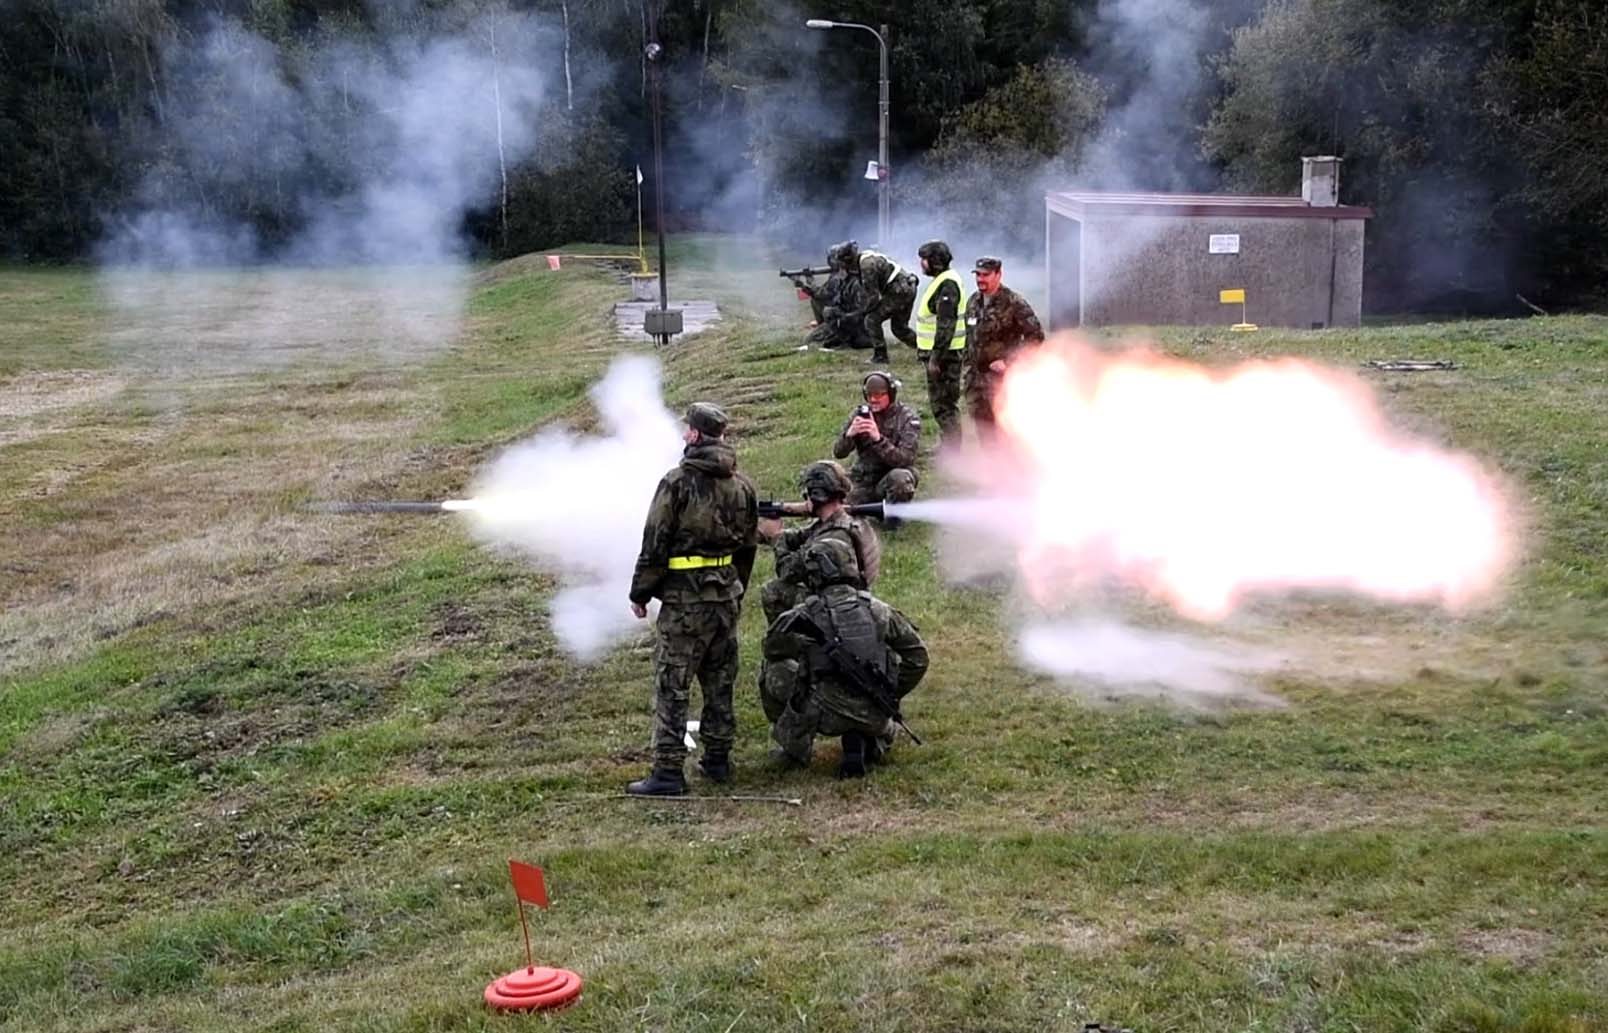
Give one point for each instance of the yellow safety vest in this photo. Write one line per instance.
(927, 320)
(697, 562)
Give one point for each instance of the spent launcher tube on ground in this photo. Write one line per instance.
(770, 509)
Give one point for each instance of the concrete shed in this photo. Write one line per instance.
(1164, 258)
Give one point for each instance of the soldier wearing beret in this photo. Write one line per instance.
(697, 553)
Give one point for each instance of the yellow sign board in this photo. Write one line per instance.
(1233, 297)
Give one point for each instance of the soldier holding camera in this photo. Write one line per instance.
(885, 436)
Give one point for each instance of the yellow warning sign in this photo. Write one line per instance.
(1235, 296)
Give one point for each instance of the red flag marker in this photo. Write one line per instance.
(529, 886)
(532, 987)
(552, 263)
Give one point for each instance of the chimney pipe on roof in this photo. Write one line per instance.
(1320, 181)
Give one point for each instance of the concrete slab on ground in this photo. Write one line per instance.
(696, 316)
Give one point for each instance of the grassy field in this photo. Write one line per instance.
(261, 770)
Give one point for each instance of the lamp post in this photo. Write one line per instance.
(884, 219)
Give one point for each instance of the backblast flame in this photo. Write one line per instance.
(1203, 486)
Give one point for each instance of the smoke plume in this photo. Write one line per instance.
(379, 147)
(576, 504)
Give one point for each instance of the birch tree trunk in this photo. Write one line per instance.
(502, 157)
(569, 86)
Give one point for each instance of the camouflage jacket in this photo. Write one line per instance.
(897, 448)
(998, 327)
(877, 278)
(861, 535)
(703, 507)
(788, 638)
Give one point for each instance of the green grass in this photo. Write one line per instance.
(283, 798)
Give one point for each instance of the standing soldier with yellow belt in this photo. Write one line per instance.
(941, 338)
(697, 552)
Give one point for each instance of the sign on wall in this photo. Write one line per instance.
(1223, 244)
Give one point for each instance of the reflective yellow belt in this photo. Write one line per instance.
(694, 562)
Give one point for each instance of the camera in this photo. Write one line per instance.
(862, 410)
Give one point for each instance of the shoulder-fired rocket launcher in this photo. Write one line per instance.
(767, 508)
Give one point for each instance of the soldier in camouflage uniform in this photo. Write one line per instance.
(821, 701)
(836, 304)
(1000, 324)
(697, 553)
(885, 443)
(890, 295)
(825, 486)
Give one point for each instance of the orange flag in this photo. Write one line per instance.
(529, 886)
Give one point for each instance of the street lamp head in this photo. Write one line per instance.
(819, 23)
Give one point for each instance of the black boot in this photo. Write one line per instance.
(879, 356)
(716, 766)
(853, 765)
(660, 782)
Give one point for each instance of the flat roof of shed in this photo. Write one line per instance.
(1080, 203)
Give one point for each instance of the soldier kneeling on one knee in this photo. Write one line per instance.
(856, 656)
(885, 436)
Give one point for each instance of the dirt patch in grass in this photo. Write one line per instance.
(1518, 947)
(33, 405)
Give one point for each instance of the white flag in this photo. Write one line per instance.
(639, 175)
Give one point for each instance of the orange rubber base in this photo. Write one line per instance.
(532, 989)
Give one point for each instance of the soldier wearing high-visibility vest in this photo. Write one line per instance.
(941, 338)
(890, 294)
(698, 547)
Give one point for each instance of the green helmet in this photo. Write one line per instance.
(707, 418)
(829, 560)
(823, 481)
(937, 254)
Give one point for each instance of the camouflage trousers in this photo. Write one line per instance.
(980, 403)
(837, 331)
(898, 302)
(943, 392)
(799, 716)
(695, 639)
(897, 485)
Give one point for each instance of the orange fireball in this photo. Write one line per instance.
(1204, 486)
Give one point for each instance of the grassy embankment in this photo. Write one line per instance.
(260, 770)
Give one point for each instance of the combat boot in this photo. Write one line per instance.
(853, 763)
(660, 782)
(716, 767)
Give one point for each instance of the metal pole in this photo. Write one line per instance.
(658, 187)
(884, 177)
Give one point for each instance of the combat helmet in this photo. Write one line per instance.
(829, 560)
(707, 418)
(848, 254)
(824, 481)
(892, 382)
(937, 254)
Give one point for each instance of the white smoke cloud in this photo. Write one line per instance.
(576, 504)
(381, 146)
(1109, 658)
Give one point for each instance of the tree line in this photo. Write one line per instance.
(1477, 129)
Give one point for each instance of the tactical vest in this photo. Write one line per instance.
(844, 612)
(927, 320)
